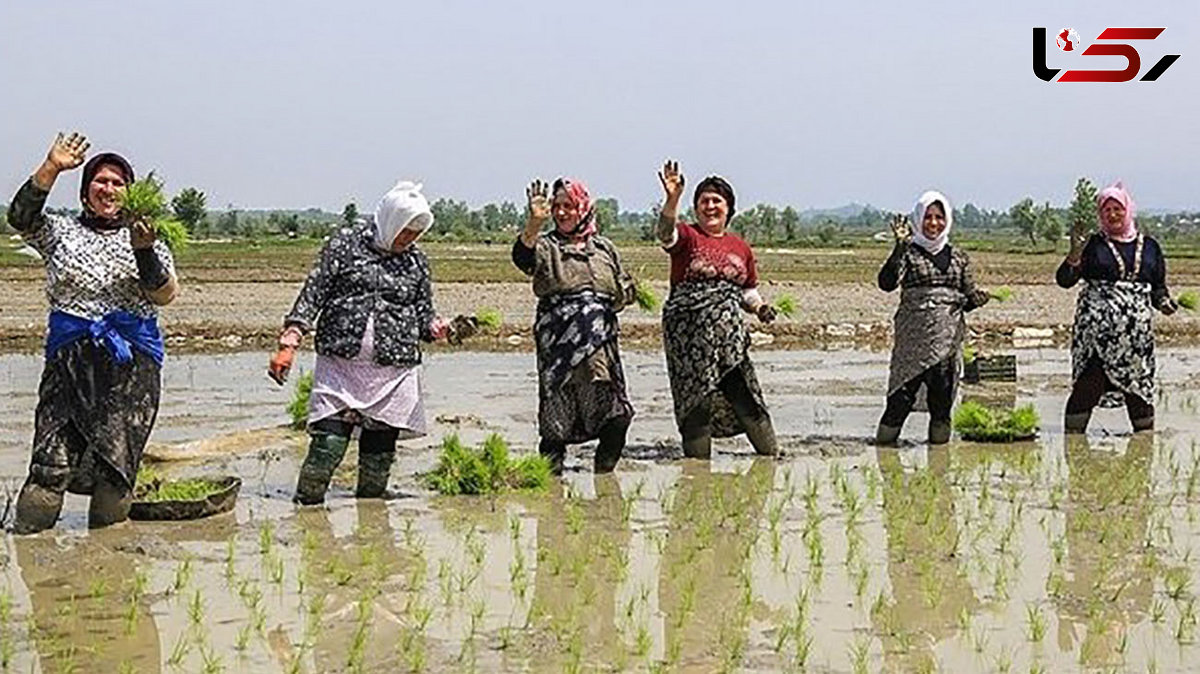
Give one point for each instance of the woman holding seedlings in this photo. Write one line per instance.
(371, 300)
(98, 397)
(1112, 349)
(937, 288)
(713, 280)
(581, 287)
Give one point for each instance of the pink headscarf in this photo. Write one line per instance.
(1127, 231)
(578, 193)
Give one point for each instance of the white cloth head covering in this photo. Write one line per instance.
(403, 207)
(934, 246)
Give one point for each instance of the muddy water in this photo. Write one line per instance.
(1049, 556)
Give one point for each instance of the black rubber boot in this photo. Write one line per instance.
(376, 453)
(696, 431)
(325, 453)
(1077, 422)
(37, 508)
(887, 435)
(612, 444)
(1143, 424)
(111, 499)
(555, 453)
(939, 431)
(761, 434)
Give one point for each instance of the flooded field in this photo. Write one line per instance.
(1054, 555)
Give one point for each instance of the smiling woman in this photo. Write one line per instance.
(98, 398)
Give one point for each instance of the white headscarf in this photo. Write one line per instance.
(403, 207)
(934, 246)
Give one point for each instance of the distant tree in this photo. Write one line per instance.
(1083, 207)
(189, 207)
(1049, 225)
(607, 211)
(350, 213)
(228, 222)
(1025, 218)
(827, 232)
(768, 221)
(789, 220)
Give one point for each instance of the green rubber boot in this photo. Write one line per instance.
(325, 453)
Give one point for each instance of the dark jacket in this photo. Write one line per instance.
(1098, 264)
(352, 280)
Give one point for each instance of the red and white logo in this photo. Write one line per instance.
(1068, 39)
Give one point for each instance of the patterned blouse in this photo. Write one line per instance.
(911, 266)
(1098, 264)
(354, 280)
(90, 273)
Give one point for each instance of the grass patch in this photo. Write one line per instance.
(486, 470)
(979, 423)
(151, 486)
(298, 407)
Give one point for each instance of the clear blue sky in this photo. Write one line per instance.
(293, 104)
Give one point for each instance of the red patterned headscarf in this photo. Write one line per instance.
(578, 193)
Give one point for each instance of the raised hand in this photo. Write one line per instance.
(538, 194)
(672, 180)
(901, 228)
(1080, 231)
(67, 152)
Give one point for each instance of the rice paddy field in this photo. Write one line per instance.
(1051, 555)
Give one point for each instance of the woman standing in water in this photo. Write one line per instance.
(371, 300)
(714, 279)
(99, 393)
(937, 290)
(581, 287)
(1112, 346)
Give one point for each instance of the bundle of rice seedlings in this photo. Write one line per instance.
(486, 470)
(489, 319)
(151, 486)
(144, 200)
(646, 299)
(976, 422)
(1189, 299)
(1002, 294)
(786, 306)
(298, 407)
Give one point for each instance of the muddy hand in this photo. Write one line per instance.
(672, 180)
(142, 234)
(538, 194)
(767, 313)
(67, 152)
(901, 228)
(463, 327)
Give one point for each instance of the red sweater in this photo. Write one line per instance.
(699, 256)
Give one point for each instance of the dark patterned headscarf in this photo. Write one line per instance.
(720, 186)
(90, 170)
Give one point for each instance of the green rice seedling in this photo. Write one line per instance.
(151, 486)
(1158, 611)
(196, 608)
(1178, 580)
(297, 409)
(1001, 294)
(487, 470)
(98, 589)
(1189, 299)
(179, 651)
(266, 538)
(183, 574)
(645, 297)
(786, 305)
(969, 352)
(489, 319)
(859, 651)
(211, 661)
(1036, 623)
(242, 640)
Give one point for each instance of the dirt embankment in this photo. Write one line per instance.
(214, 315)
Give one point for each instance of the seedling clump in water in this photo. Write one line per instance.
(978, 423)
(487, 470)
